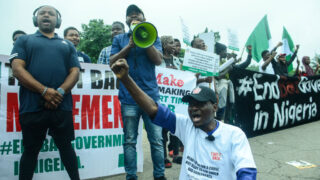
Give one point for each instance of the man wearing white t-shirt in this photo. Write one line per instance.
(213, 150)
(268, 62)
(266, 65)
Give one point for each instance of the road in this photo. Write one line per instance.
(271, 152)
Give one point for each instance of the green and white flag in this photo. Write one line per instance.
(185, 32)
(260, 39)
(288, 46)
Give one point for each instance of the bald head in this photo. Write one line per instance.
(198, 44)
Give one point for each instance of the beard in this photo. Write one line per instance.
(47, 29)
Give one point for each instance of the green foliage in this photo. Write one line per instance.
(94, 38)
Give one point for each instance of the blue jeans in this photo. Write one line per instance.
(131, 115)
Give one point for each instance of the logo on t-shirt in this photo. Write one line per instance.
(64, 42)
(216, 156)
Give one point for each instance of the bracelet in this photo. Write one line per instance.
(44, 91)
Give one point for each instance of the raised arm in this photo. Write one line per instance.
(275, 48)
(267, 62)
(294, 55)
(121, 69)
(248, 60)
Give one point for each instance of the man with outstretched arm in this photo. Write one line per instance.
(213, 150)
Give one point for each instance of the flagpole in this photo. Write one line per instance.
(242, 52)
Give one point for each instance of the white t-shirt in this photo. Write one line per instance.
(219, 159)
(269, 68)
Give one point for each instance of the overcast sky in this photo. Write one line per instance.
(301, 18)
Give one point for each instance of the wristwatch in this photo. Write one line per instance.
(61, 91)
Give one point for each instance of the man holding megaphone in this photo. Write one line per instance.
(143, 51)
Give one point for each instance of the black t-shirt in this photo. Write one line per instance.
(49, 62)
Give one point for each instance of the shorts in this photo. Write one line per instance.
(34, 126)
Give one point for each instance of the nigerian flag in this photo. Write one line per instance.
(259, 39)
(288, 46)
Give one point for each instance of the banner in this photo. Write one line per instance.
(199, 61)
(233, 42)
(266, 103)
(173, 85)
(97, 122)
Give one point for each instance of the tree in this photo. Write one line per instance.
(94, 38)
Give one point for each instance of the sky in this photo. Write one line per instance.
(301, 18)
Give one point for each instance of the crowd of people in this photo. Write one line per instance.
(47, 68)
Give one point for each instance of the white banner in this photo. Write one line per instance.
(173, 85)
(97, 121)
(199, 61)
(233, 42)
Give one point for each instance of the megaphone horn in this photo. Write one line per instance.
(144, 34)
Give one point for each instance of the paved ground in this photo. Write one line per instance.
(271, 152)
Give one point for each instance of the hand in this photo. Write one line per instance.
(120, 68)
(273, 54)
(279, 44)
(50, 106)
(208, 79)
(197, 75)
(53, 97)
(131, 43)
(297, 47)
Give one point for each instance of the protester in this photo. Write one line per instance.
(170, 61)
(17, 34)
(142, 67)
(222, 151)
(72, 34)
(104, 56)
(198, 43)
(177, 49)
(226, 105)
(221, 82)
(265, 66)
(306, 66)
(168, 49)
(47, 68)
(282, 64)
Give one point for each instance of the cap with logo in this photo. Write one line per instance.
(202, 94)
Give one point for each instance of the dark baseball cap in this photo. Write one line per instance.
(133, 8)
(202, 94)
